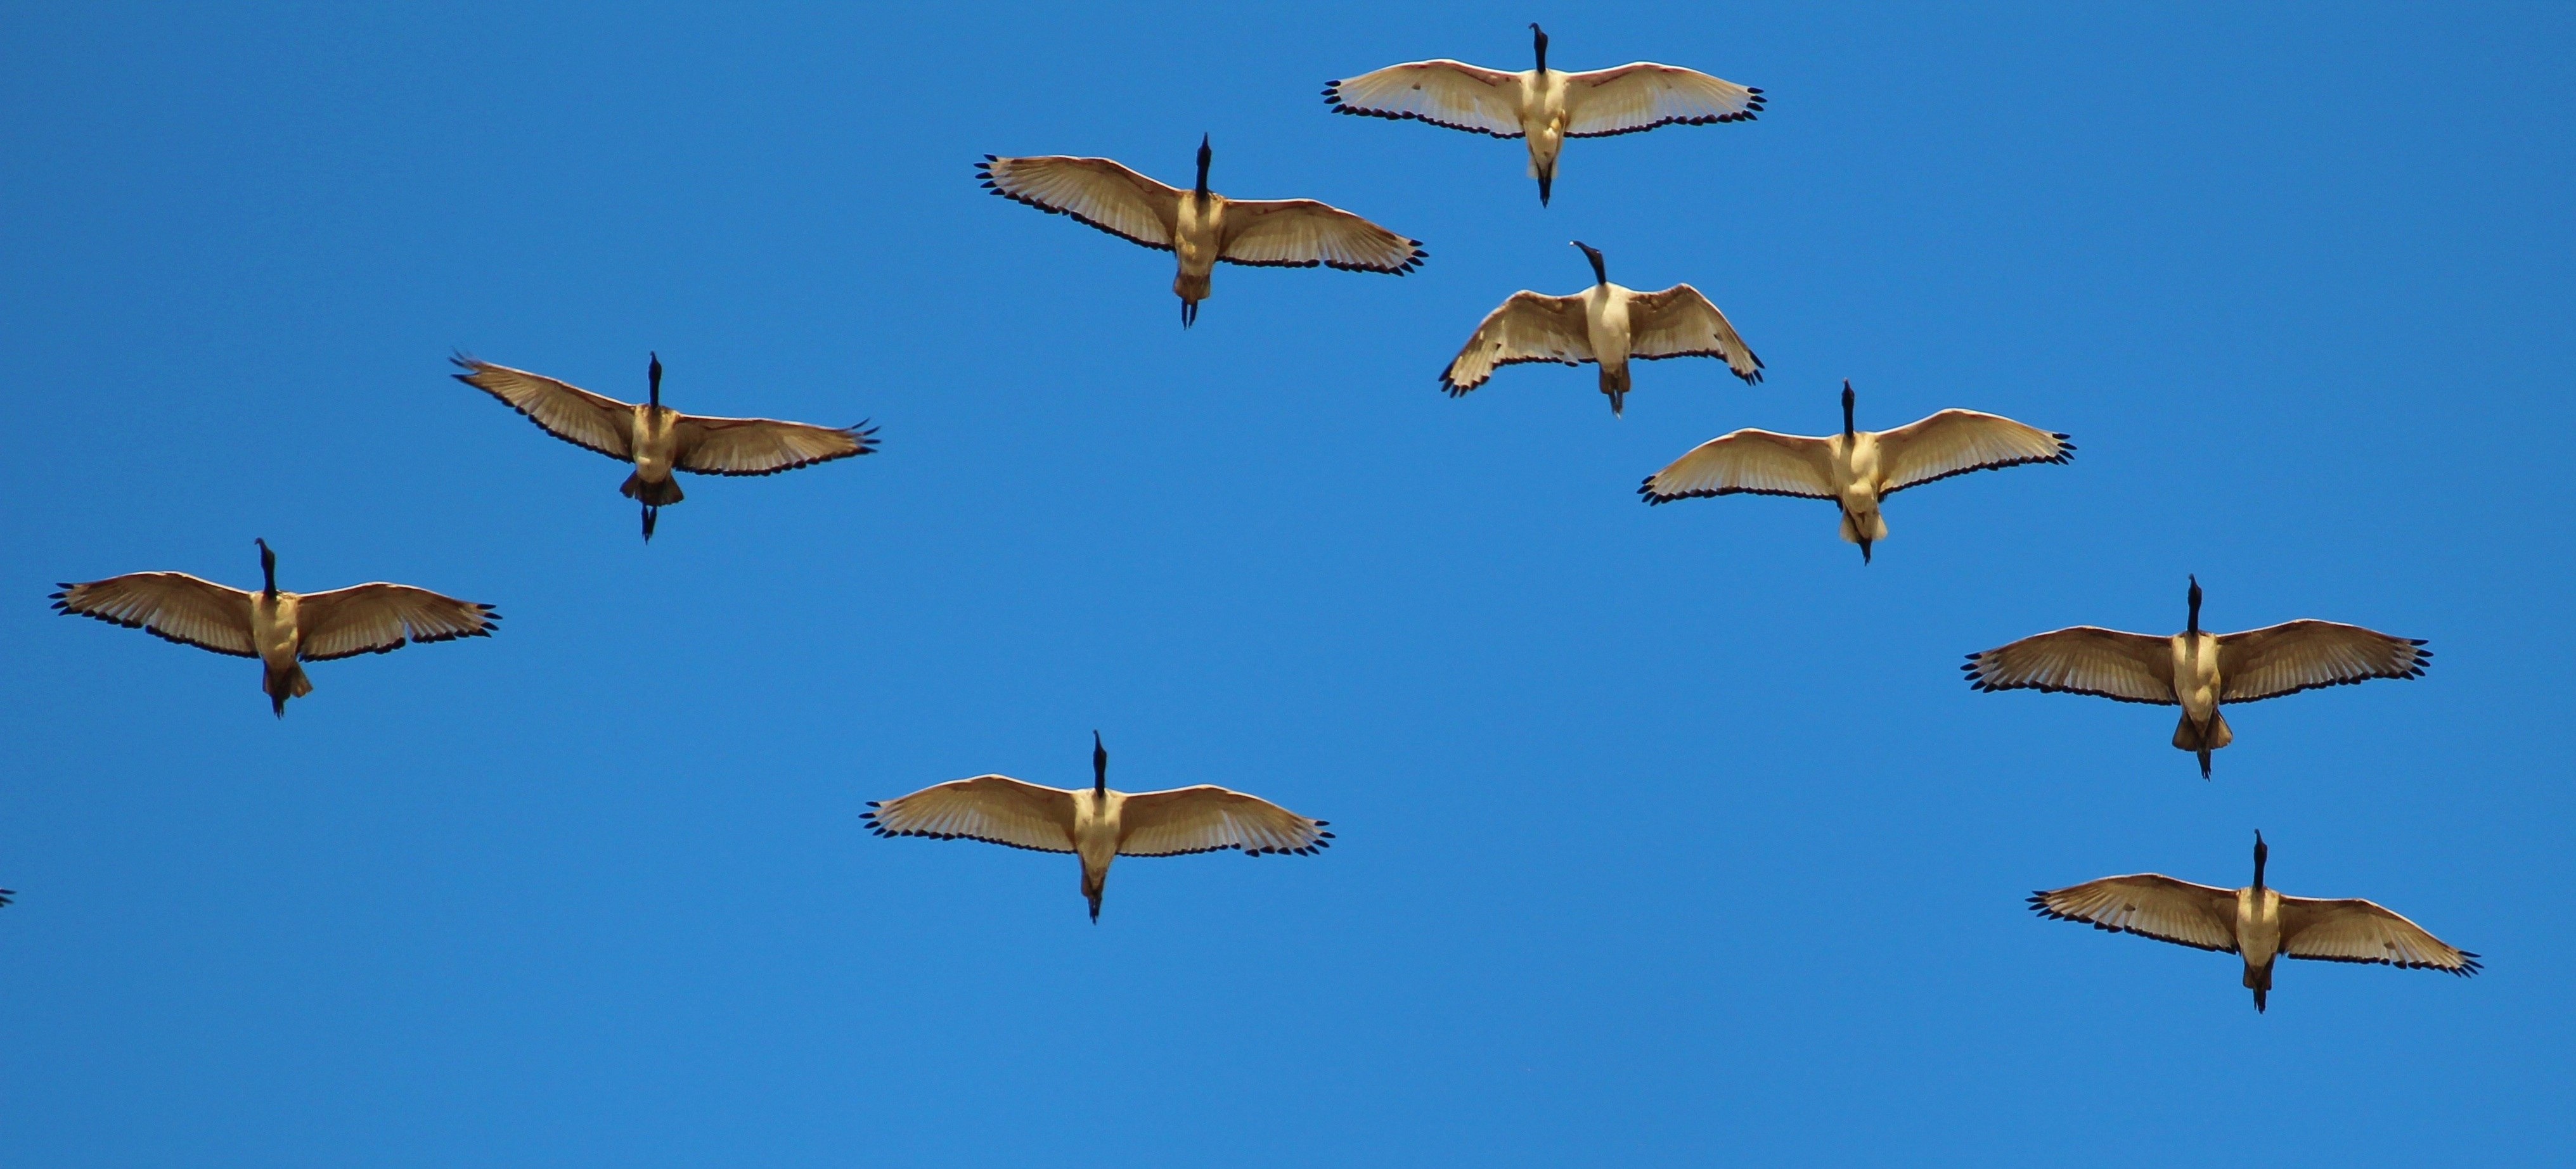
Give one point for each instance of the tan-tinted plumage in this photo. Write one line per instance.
(1857, 468)
(2256, 922)
(1200, 226)
(1605, 324)
(1099, 824)
(659, 440)
(1545, 106)
(280, 628)
(2198, 670)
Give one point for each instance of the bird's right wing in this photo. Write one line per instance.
(173, 606)
(996, 809)
(2354, 930)
(1207, 818)
(1758, 462)
(1530, 326)
(1644, 95)
(2106, 663)
(1955, 442)
(2303, 655)
(763, 446)
(1096, 191)
(1680, 322)
(2149, 905)
(1447, 93)
(381, 618)
(1301, 233)
(564, 410)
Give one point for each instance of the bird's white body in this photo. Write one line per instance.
(1096, 834)
(2258, 931)
(2195, 676)
(1543, 117)
(1605, 325)
(656, 441)
(1198, 238)
(1853, 471)
(274, 631)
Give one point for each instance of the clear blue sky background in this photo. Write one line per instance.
(1667, 835)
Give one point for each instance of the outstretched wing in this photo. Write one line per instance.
(763, 446)
(1955, 442)
(1443, 92)
(1756, 462)
(1530, 326)
(1644, 95)
(380, 618)
(1301, 233)
(1096, 191)
(1679, 322)
(2106, 663)
(173, 606)
(561, 409)
(2149, 905)
(2354, 930)
(1207, 818)
(2303, 655)
(996, 809)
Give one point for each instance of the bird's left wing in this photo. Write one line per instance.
(1442, 92)
(2303, 655)
(1955, 442)
(380, 618)
(1680, 322)
(1758, 462)
(1527, 326)
(2354, 930)
(2149, 905)
(566, 411)
(1643, 96)
(995, 809)
(2084, 659)
(762, 446)
(1097, 191)
(172, 606)
(1207, 818)
(1301, 233)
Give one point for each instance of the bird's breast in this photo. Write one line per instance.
(2258, 924)
(1198, 229)
(273, 626)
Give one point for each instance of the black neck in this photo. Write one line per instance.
(1538, 40)
(1204, 155)
(654, 374)
(2194, 627)
(267, 568)
(1099, 766)
(1847, 408)
(1600, 275)
(2261, 854)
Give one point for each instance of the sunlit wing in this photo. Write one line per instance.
(1955, 442)
(996, 809)
(1756, 462)
(2303, 655)
(379, 617)
(1096, 191)
(2106, 663)
(1207, 818)
(1530, 326)
(1643, 96)
(1679, 322)
(762, 446)
(173, 606)
(1301, 233)
(561, 409)
(2149, 905)
(1443, 92)
(2354, 930)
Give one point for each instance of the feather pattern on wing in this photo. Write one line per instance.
(1095, 191)
(2086, 659)
(1301, 233)
(380, 618)
(1756, 462)
(1680, 322)
(1447, 93)
(1528, 326)
(1955, 442)
(173, 606)
(1207, 818)
(2354, 930)
(2150, 905)
(995, 809)
(2303, 655)
(1643, 95)
(763, 446)
(566, 411)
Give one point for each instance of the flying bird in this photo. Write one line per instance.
(1545, 106)
(1199, 225)
(1097, 825)
(659, 440)
(2256, 922)
(1606, 324)
(279, 628)
(1857, 468)
(6, 894)
(2196, 669)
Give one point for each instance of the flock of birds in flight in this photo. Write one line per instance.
(1604, 324)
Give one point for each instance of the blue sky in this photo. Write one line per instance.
(1666, 835)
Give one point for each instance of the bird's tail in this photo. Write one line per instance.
(2190, 736)
(2259, 980)
(281, 685)
(650, 493)
(1191, 289)
(1864, 531)
(1615, 382)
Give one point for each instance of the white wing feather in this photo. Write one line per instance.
(380, 617)
(1680, 322)
(173, 606)
(1756, 462)
(2149, 905)
(2354, 930)
(2086, 659)
(763, 446)
(566, 411)
(1095, 191)
(1447, 93)
(1301, 233)
(1955, 442)
(2303, 655)
(1207, 818)
(1643, 95)
(996, 809)
(1529, 326)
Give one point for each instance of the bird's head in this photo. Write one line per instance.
(2262, 853)
(653, 376)
(1538, 42)
(1847, 408)
(267, 563)
(1205, 154)
(1099, 770)
(2194, 596)
(1599, 274)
